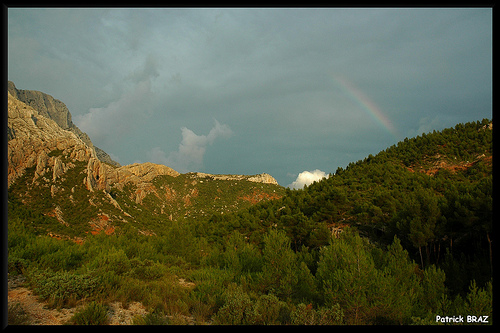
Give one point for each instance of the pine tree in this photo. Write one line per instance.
(279, 264)
(347, 276)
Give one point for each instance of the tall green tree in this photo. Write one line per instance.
(279, 264)
(347, 275)
(400, 285)
(418, 218)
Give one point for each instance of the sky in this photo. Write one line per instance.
(293, 92)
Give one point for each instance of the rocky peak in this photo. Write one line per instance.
(39, 142)
(54, 109)
(31, 139)
(263, 178)
(46, 105)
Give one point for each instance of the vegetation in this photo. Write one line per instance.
(397, 238)
(93, 314)
(17, 315)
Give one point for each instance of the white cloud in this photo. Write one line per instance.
(192, 148)
(307, 178)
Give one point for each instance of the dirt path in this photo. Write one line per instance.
(39, 314)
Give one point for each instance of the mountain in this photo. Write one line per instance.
(55, 169)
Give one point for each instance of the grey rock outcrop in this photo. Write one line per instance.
(56, 110)
(261, 178)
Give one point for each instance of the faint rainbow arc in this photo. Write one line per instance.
(366, 104)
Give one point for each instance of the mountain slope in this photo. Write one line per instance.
(434, 192)
(56, 175)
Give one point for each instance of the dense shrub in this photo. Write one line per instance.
(266, 311)
(152, 318)
(17, 315)
(16, 265)
(63, 288)
(305, 315)
(92, 314)
(237, 308)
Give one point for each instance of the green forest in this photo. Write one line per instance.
(398, 238)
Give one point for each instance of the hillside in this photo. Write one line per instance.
(397, 238)
(434, 192)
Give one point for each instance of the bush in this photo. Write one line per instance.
(92, 314)
(152, 318)
(66, 259)
(147, 270)
(237, 308)
(16, 265)
(266, 310)
(62, 288)
(210, 284)
(17, 315)
(112, 260)
(306, 315)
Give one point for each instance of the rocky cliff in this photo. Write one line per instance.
(261, 178)
(56, 110)
(37, 141)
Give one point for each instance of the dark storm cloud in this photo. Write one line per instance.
(133, 78)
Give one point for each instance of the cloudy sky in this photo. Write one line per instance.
(295, 93)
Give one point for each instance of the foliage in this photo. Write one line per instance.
(305, 315)
(236, 309)
(279, 268)
(152, 318)
(62, 288)
(92, 314)
(16, 315)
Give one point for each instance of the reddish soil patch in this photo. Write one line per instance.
(258, 196)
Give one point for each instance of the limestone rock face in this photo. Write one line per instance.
(35, 137)
(96, 175)
(148, 171)
(56, 110)
(46, 105)
(58, 169)
(261, 178)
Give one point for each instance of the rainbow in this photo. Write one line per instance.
(366, 104)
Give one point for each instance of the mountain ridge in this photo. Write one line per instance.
(62, 167)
